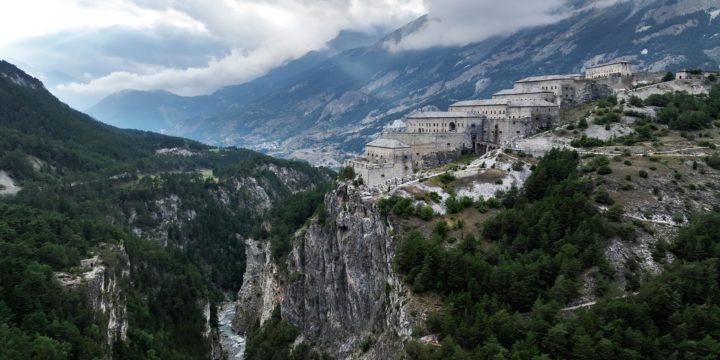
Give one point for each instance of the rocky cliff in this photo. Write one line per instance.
(260, 292)
(338, 286)
(101, 279)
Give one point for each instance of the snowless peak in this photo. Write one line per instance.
(19, 77)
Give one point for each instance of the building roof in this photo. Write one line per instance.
(550, 77)
(442, 114)
(532, 103)
(520, 92)
(388, 143)
(608, 64)
(482, 102)
(507, 102)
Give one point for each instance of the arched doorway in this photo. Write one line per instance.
(451, 127)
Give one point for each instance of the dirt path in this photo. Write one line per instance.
(592, 303)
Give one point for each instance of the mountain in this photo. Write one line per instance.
(171, 113)
(332, 108)
(121, 243)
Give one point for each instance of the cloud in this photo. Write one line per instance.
(193, 47)
(246, 38)
(461, 22)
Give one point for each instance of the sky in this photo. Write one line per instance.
(85, 50)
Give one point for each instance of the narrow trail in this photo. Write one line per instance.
(593, 303)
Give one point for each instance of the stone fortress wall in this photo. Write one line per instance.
(383, 159)
(621, 68)
(532, 105)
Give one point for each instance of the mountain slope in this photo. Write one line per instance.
(165, 111)
(121, 242)
(335, 106)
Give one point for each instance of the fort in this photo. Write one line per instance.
(533, 105)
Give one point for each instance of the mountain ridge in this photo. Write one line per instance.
(329, 111)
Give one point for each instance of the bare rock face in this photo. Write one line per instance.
(101, 281)
(260, 292)
(341, 289)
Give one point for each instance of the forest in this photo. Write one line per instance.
(87, 185)
(503, 288)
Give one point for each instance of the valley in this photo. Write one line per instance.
(327, 111)
(550, 192)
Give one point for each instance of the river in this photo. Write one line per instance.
(231, 341)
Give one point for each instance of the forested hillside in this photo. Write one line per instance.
(178, 209)
(504, 289)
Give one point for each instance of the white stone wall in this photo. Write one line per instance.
(493, 111)
(382, 155)
(607, 70)
(533, 96)
(422, 144)
(375, 174)
(564, 89)
(440, 125)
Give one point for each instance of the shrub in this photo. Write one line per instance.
(587, 142)
(669, 76)
(441, 229)
(446, 178)
(615, 213)
(693, 120)
(635, 101)
(657, 100)
(667, 115)
(426, 212)
(604, 170)
(603, 197)
(643, 174)
(582, 124)
(713, 161)
(346, 173)
(678, 218)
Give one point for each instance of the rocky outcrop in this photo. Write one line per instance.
(260, 292)
(596, 90)
(339, 288)
(101, 281)
(211, 334)
(439, 158)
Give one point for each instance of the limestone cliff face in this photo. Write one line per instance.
(102, 282)
(339, 288)
(106, 295)
(261, 290)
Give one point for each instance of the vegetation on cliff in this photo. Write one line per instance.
(503, 294)
(180, 208)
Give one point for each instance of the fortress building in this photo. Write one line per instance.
(619, 68)
(383, 159)
(433, 138)
(697, 74)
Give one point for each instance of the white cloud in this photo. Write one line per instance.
(258, 35)
(461, 22)
(223, 42)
